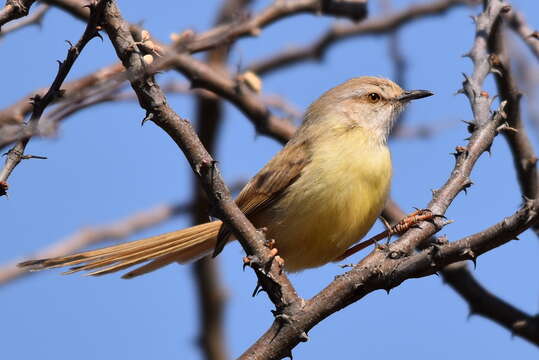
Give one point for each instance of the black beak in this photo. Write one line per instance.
(414, 94)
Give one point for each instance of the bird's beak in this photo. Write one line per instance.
(414, 94)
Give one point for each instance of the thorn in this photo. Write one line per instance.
(3, 188)
(471, 126)
(467, 55)
(387, 290)
(470, 255)
(534, 35)
(60, 63)
(69, 43)
(505, 9)
(468, 183)
(303, 337)
(149, 116)
(289, 354)
(283, 318)
(459, 91)
(26, 157)
(97, 34)
(258, 289)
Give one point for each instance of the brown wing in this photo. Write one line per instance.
(269, 184)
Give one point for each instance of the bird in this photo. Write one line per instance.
(315, 198)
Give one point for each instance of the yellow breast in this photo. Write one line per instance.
(334, 203)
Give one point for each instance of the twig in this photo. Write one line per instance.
(483, 303)
(152, 99)
(16, 153)
(339, 32)
(524, 158)
(530, 37)
(34, 19)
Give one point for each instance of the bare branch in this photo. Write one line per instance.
(524, 157)
(338, 32)
(517, 22)
(34, 19)
(16, 153)
(481, 301)
(152, 99)
(14, 9)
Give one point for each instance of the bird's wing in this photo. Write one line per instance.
(269, 184)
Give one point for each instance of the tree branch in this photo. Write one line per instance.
(481, 302)
(152, 99)
(517, 22)
(14, 9)
(338, 32)
(34, 19)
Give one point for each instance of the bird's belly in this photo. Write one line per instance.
(315, 222)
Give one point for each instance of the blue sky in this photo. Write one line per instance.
(103, 166)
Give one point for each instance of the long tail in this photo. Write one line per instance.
(183, 246)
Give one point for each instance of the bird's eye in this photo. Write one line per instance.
(374, 97)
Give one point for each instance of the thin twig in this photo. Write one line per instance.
(519, 25)
(16, 153)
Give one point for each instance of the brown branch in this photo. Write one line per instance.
(14, 9)
(524, 158)
(34, 19)
(517, 22)
(483, 130)
(16, 153)
(152, 99)
(211, 293)
(338, 32)
(481, 301)
(486, 304)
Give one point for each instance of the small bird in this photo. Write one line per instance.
(318, 196)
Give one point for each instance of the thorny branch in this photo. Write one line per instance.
(16, 153)
(152, 99)
(481, 302)
(524, 158)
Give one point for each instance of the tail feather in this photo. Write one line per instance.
(182, 245)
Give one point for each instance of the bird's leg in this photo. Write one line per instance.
(402, 226)
(270, 244)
